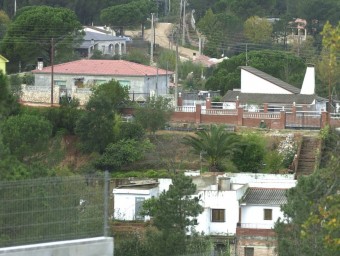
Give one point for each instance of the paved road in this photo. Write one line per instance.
(163, 33)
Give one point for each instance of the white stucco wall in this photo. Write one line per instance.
(85, 247)
(254, 84)
(218, 200)
(253, 216)
(125, 199)
(138, 84)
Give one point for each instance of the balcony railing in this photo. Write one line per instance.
(255, 225)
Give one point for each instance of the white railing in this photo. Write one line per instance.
(185, 109)
(335, 116)
(257, 225)
(217, 112)
(257, 115)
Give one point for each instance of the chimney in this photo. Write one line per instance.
(40, 65)
(308, 85)
(224, 184)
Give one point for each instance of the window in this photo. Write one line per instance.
(268, 214)
(217, 215)
(61, 83)
(124, 83)
(249, 251)
(99, 82)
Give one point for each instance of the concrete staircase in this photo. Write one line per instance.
(307, 159)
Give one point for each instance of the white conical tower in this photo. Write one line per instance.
(308, 86)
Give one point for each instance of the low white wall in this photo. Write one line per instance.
(102, 246)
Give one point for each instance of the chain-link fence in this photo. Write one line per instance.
(52, 209)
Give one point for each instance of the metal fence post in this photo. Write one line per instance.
(106, 203)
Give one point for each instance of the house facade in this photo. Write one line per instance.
(107, 44)
(259, 88)
(238, 208)
(128, 199)
(3, 62)
(78, 78)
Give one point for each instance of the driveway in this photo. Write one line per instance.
(163, 35)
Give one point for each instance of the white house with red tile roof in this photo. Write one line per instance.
(76, 78)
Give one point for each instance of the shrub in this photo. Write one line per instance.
(287, 149)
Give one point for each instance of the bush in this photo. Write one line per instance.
(131, 131)
(287, 149)
(122, 153)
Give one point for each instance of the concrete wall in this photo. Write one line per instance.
(226, 200)
(251, 83)
(253, 216)
(102, 246)
(125, 201)
(137, 84)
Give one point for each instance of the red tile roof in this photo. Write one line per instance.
(103, 67)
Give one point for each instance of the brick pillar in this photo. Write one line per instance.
(294, 111)
(240, 116)
(198, 113)
(265, 107)
(237, 103)
(179, 100)
(208, 103)
(324, 118)
(282, 119)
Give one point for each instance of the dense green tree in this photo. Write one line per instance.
(314, 10)
(250, 154)
(258, 30)
(8, 103)
(122, 153)
(129, 14)
(154, 114)
(175, 210)
(248, 8)
(30, 35)
(282, 65)
(131, 130)
(311, 226)
(4, 23)
(215, 145)
(26, 135)
(330, 63)
(226, 26)
(95, 127)
(311, 216)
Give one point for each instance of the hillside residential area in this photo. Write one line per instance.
(170, 128)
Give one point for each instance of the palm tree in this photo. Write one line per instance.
(216, 144)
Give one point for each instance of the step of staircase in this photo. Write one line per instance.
(308, 155)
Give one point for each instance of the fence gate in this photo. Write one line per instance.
(303, 120)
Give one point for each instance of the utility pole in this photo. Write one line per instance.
(152, 39)
(246, 54)
(52, 71)
(183, 28)
(15, 7)
(176, 73)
